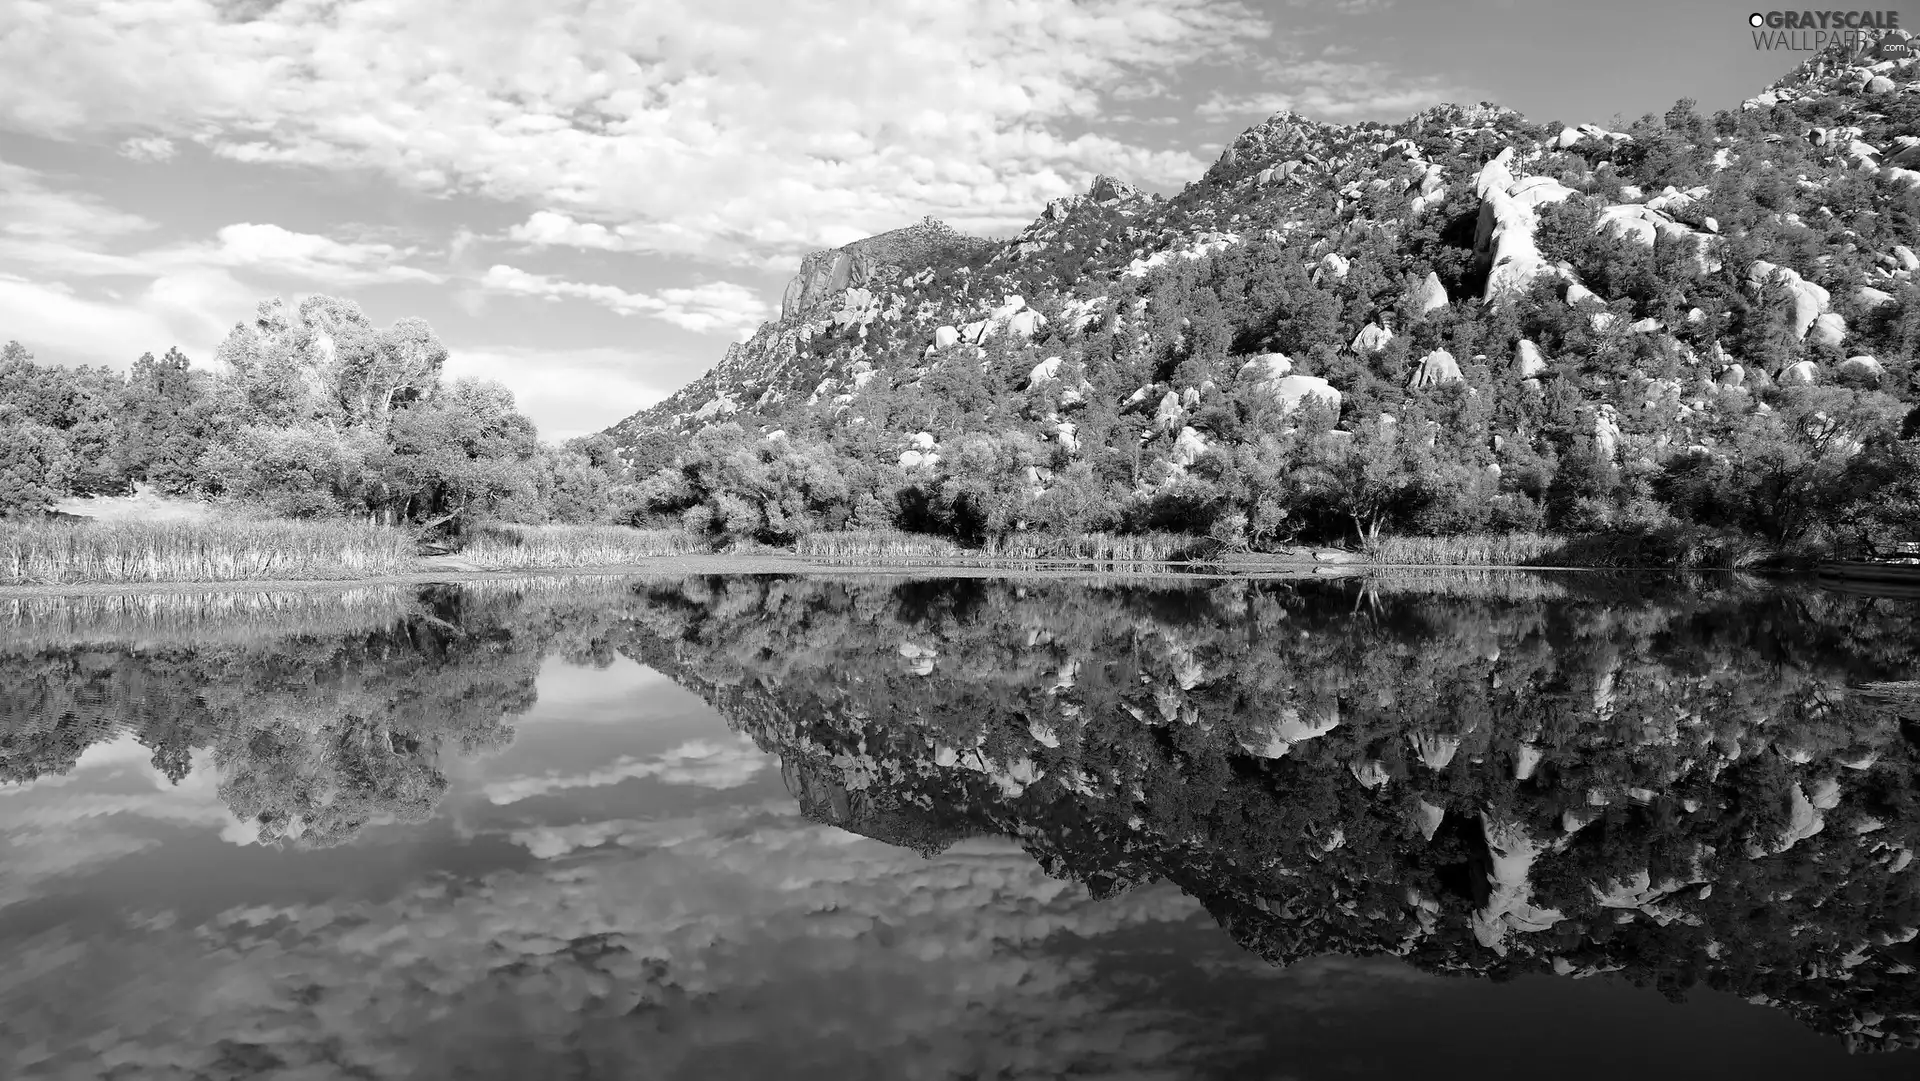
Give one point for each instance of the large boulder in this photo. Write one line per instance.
(944, 337)
(1044, 372)
(1435, 368)
(1803, 373)
(1606, 433)
(1429, 294)
(1861, 366)
(1169, 414)
(1809, 300)
(1025, 323)
(1266, 369)
(1528, 361)
(1332, 265)
(1829, 329)
(1188, 448)
(1503, 242)
(1372, 338)
(1869, 297)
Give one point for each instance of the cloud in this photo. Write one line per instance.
(31, 209)
(727, 129)
(148, 148)
(68, 306)
(703, 763)
(691, 938)
(1334, 91)
(272, 249)
(707, 307)
(570, 392)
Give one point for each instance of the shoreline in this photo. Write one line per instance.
(454, 572)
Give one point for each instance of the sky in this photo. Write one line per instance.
(590, 199)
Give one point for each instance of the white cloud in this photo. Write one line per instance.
(272, 249)
(729, 129)
(148, 148)
(570, 392)
(1333, 91)
(701, 763)
(710, 306)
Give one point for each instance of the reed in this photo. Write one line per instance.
(1470, 550)
(198, 618)
(219, 550)
(1022, 550)
(504, 546)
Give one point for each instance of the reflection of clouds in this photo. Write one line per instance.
(46, 835)
(686, 946)
(723, 762)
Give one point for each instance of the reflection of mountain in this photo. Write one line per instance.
(1681, 790)
(315, 732)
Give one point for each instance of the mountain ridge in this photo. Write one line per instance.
(1611, 274)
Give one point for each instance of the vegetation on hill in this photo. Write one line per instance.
(1694, 341)
(1663, 383)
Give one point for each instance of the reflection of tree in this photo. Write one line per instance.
(1678, 785)
(314, 735)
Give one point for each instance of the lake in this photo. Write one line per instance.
(1483, 825)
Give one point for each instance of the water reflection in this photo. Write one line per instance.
(1525, 779)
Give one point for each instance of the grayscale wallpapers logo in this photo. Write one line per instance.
(1812, 31)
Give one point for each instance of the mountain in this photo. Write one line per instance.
(1572, 328)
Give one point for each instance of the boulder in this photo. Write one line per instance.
(1648, 325)
(1429, 294)
(922, 442)
(1606, 433)
(1372, 338)
(1044, 372)
(1808, 299)
(1024, 324)
(1266, 369)
(1188, 448)
(945, 336)
(1861, 365)
(1803, 373)
(1528, 361)
(1829, 329)
(1169, 414)
(1435, 368)
(1869, 297)
(1333, 265)
(1880, 84)
(1732, 375)
(1906, 258)
(1567, 137)
(1503, 243)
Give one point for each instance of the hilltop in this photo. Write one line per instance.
(1697, 329)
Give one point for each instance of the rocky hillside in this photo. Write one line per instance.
(1639, 300)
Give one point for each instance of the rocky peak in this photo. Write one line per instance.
(826, 274)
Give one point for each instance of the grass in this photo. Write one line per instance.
(503, 546)
(217, 550)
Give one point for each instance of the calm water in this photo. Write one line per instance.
(763, 827)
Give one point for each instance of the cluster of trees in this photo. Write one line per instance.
(310, 412)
